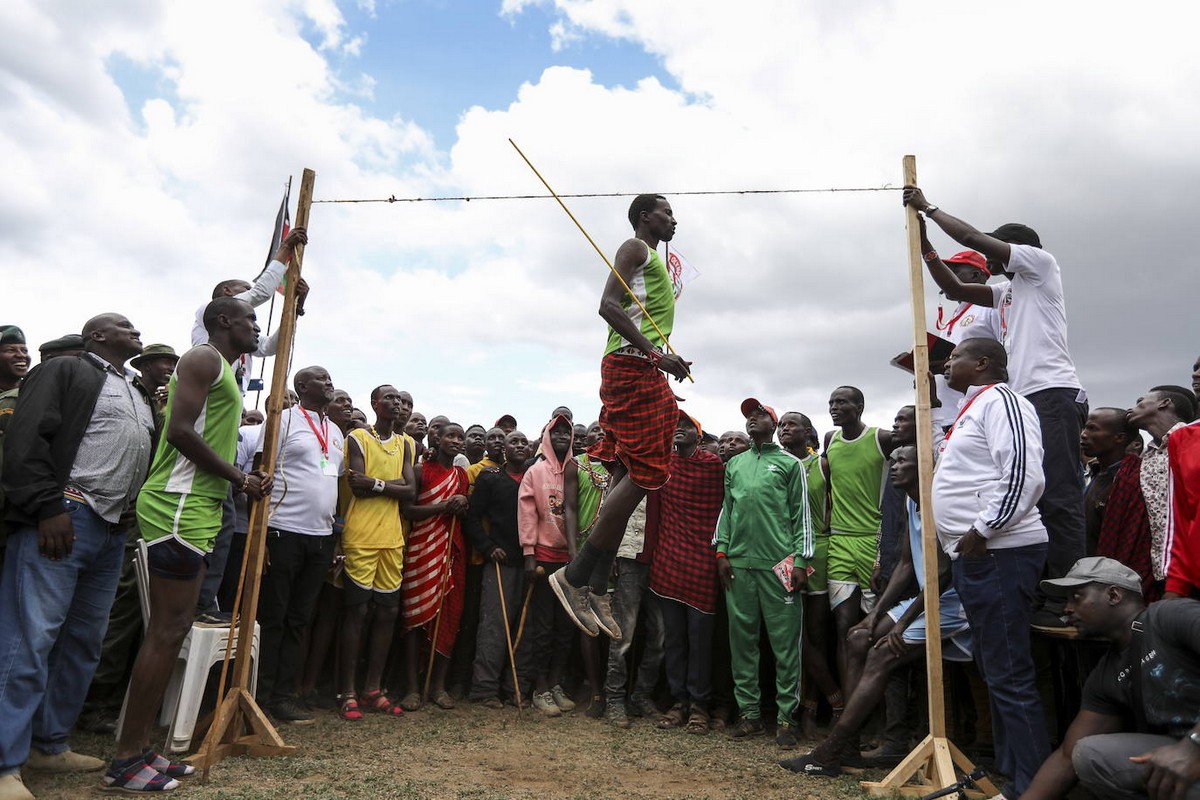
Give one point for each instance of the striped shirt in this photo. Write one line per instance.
(990, 474)
(115, 450)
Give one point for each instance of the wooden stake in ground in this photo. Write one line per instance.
(931, 765)
(239, 725)
(512, 653)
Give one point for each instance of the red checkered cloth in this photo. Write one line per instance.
(426, 560)
(685, 511)
(1125, 529)
(638, 415)
(1183, 525)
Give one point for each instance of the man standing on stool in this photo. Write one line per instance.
(639, 412)
(179, 512)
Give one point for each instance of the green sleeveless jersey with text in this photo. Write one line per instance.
(856, 473)
(217, 425)
(652, 285)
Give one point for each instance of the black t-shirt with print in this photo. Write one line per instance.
(1169, 673)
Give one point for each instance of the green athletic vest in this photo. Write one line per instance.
(856, 473)
(217, 424)
(651, 284)
(816, 493)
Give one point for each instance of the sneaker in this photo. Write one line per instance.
(135, 776)
(888, 755)
(290, 712)
(66, 761)
(601, 608)
(807, 765)
(1046, 620)
(615, 713)
(747, 728)
(785, 737)
(641, 706)
(575, 601)
(172, 769)
(103, 723)
(562, 699)
(13, 788)
(214, 619)
(544, 702)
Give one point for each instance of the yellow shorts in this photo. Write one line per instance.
(373, 571)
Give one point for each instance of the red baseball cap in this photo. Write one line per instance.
(750, 405)
(970, 258)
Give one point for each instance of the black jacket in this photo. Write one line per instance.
(494, 499)
(53, 411)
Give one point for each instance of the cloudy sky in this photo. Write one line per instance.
(146, 145)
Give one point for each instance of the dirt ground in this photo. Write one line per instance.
(473, 753)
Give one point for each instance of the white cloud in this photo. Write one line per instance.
(1076, 119)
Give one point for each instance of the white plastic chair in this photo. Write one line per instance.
(203, 647)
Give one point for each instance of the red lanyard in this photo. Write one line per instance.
(954, 424)
(963, 308)
(321, 440)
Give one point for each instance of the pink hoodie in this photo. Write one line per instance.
(540, 522)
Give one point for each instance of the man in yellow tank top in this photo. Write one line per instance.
(380, 476)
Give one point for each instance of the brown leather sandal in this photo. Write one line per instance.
(697, 722)
(673, 718)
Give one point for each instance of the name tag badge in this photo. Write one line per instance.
(328, 467)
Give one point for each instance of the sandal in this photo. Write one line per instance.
(697, 722)
(378, 701)
(410, 701)
(673, 718)
(348, 707)
(443, 700)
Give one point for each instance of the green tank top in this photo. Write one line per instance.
(856, 473)
(593, 484)
(217, 425)
(651, 284)
(816, 493)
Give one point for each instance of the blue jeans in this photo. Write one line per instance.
(632, 580)
(55, 614)
(997, 592)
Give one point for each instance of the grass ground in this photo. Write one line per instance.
(472, 753)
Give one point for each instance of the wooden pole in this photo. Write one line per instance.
(239, 725)
(512, 654)
(932, 763)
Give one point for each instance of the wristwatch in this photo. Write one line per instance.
(1195, 737)
(929, 210)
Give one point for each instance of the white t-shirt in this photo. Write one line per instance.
(963, 321)
(1033, 322)
(260, 292)
(304, 499)
(247, 446)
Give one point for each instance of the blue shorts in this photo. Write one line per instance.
(170, 558)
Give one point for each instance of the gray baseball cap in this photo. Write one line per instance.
(1094, 569)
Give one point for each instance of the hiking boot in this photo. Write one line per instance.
(601, 607)
(544, 702)
(785, 737)
(642, 706)
(574, 601)
(66, 761)
(562, 699)
(291, 712)
(615, 713)
(13, 788)
(747, 728)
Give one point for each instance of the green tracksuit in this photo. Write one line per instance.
(765, 518)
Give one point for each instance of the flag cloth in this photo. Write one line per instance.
(283, 225)
(680, 270)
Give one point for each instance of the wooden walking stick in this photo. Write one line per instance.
(525, 607)
(596, 247)
(512, 650)
(239, 725)
(930, 766)
(437, 619)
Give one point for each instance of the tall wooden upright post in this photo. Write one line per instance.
(239, 724)
(930, 766)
